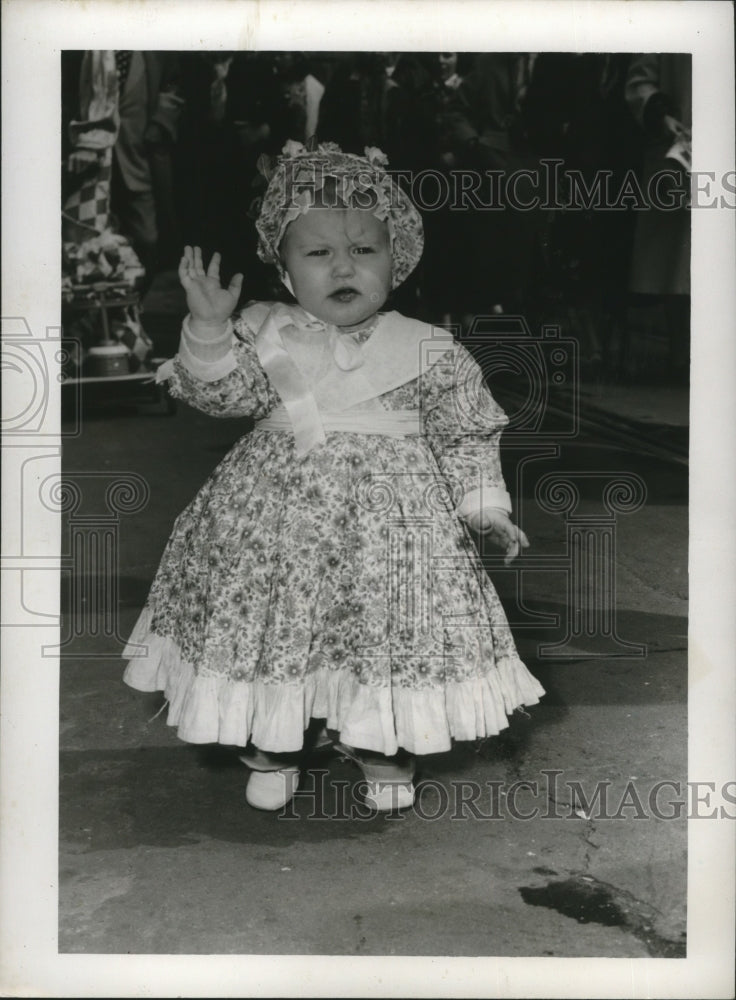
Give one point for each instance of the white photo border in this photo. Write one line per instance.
(35, 32)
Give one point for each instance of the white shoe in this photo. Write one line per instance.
(387, 785)
(272, 789)
(386, 796)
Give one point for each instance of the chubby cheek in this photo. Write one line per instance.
(388, 272)
(385, 286)
(380, 277)
(299, 280)
(380, 291)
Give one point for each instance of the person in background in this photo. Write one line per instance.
(353, 110)
(123, 128)
(575, 112)
(302, 93)
(450, 70)
(482, 125)
(659, 94)
(443, 291)
(234, 114)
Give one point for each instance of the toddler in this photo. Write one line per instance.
(324, 575)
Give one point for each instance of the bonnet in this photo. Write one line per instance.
(299, 177)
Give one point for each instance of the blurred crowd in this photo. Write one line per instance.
(165, 148)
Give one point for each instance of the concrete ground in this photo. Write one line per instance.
(159, 852)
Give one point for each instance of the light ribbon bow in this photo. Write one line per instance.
(348, 354)
(290, 384)
(347, 351)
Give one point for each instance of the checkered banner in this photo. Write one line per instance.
(90, 204)
(129, 332)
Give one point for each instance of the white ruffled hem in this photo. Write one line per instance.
(212, 709)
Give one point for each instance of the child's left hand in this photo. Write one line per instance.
(502, 530)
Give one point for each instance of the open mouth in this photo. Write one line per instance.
(345, 294)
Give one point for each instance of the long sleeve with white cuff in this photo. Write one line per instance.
(210, 359)
(220, 377)
(463, 424)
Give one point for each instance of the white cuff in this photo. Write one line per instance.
(208, 360)
(475, 501)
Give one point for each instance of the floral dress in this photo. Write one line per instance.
(342, 585)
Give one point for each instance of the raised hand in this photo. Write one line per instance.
(210, 305)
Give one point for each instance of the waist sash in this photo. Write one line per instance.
(390, 423)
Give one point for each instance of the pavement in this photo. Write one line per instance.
(161, 854)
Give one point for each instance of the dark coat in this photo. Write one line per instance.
(661, 254)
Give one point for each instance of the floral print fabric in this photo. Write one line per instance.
(343, 586)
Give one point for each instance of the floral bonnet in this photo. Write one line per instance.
(300, 174)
